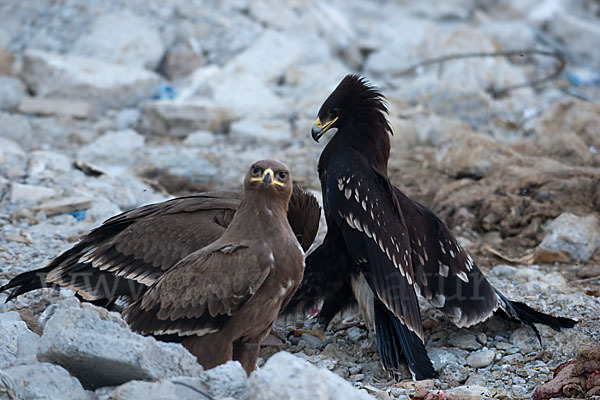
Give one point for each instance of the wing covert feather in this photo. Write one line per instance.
(208, 284)
(362, 204)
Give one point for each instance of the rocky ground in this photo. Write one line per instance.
(108, 105)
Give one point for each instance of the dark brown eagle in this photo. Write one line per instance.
(129, 252)
(382, 248)
(224, 298)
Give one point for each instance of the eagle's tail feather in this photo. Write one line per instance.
(394, 339)
(523, 313)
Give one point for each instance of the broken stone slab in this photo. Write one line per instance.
(13, 159)
(43, 381)
(24, 193)
(123, 38)
(97, 347)
(180, 117)
(200, 139)
(16, 128)
(3, 182)
(61, 206)
(123, 189)
(58, 107)
(183, 388)
(240, 94)
(45, 164)
(101, 150)
(102, 84)
(291, 50)
(17, 343)
(286, 376)
(177, 169)
(6, 61)
(220, 29)
(227, 381)
(260, 130)
(11, 92)
(577, 235)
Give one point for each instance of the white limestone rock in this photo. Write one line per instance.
(199, 139)
(43, 381)
(113, 149)
(17, 343)
(180, 117)
(259, 130)
(13, 159)
(24, 193)
(97, 347)
(481, 358)
(578, 235)
(16, 128)
(101, 83)
(12, 91)
(286, 376)
(269, 57)
(122, 38)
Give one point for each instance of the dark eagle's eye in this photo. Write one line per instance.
(334, 112)
(255, 170)
(281, 175)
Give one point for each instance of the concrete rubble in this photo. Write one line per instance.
(109, 105)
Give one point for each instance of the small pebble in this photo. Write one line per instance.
(481, 358)
(454, 374)
(355, 333)
(464, 340)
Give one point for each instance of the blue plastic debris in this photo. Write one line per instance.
(583, 77)
(165, 91)
(79, 215)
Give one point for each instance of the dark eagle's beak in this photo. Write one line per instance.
(319, 128)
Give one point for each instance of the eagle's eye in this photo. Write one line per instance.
(255, 171)
(281, 175)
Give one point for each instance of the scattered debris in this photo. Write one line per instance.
(579, 378)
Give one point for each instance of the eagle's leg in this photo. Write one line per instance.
(210, 350)
(246, 350)
(333, 304)
(246, 354)
(318, 333)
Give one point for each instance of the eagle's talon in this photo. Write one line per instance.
(312, 332)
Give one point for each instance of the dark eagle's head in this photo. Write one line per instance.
(355, 103)
(271, 178)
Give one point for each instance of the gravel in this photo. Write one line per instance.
(109, 105)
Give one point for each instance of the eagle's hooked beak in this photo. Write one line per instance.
(319, 128)
(268, 178)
